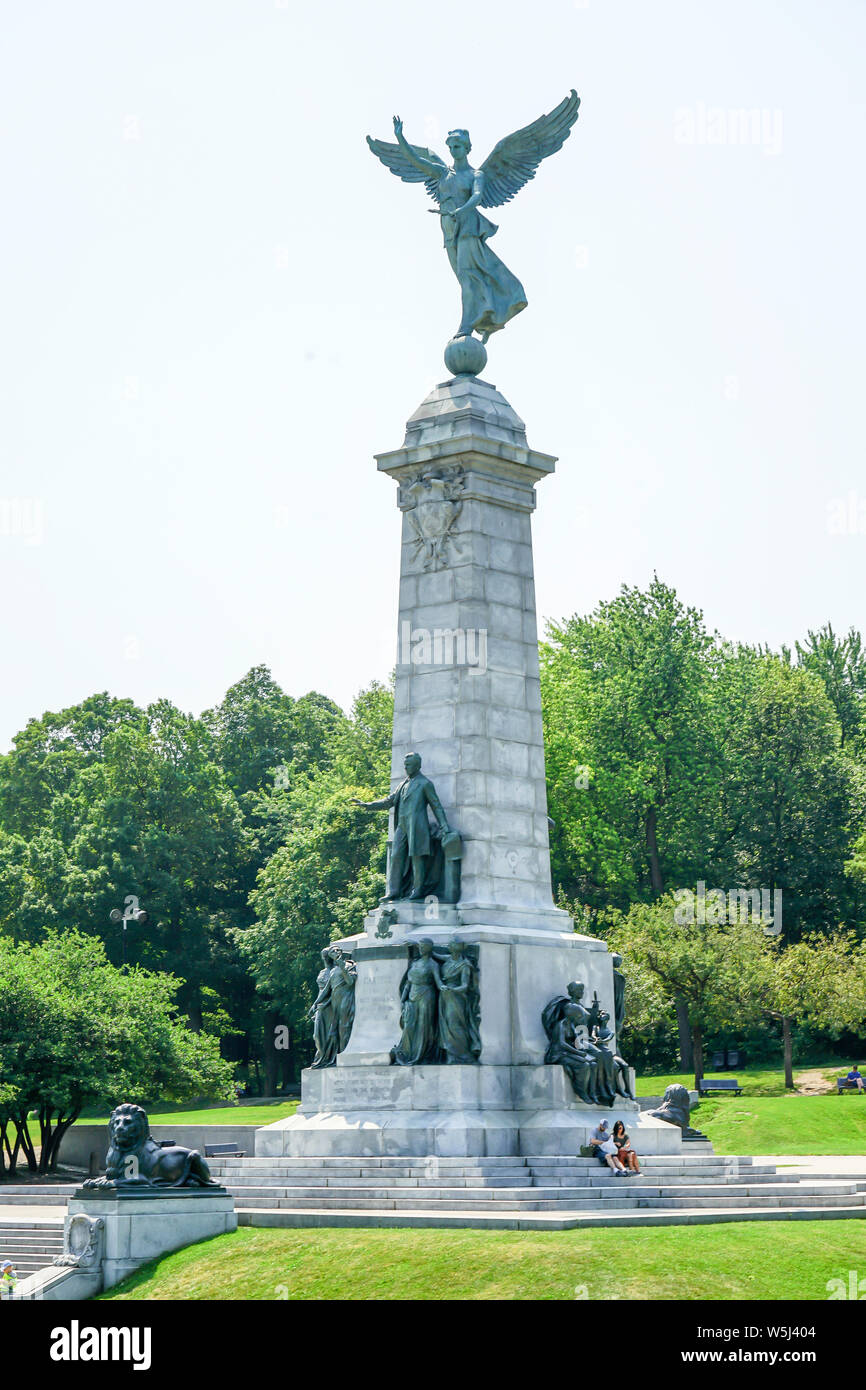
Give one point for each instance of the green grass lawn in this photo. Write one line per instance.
(767, 1119)
(738, 1260)
(787, 1124)
(762, 1080)
(228, 1115)
(217, 1115)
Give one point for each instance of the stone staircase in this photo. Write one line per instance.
(23, 1194)
(541, 1192)
(29, 1244)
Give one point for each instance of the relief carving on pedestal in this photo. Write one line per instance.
(83, 1242)
(432, 501)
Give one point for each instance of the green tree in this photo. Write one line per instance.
(632, 763)
(820, 980)
(329, 868)
(75, 1031)
(49, 755)
(840, 662)
(789, 799)
(722, 973)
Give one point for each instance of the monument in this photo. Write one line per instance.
(469, 1033)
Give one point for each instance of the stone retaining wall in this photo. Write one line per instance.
(83, 1142)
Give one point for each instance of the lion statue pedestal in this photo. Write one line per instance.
(151, 1199)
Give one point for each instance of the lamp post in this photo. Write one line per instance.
(131, 913)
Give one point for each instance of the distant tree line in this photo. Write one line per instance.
(232, 830)
(679, 761)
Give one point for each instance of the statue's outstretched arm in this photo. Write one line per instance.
(411, 163)
(384, 805)
(425, 166)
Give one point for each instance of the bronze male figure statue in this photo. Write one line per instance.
(412, 839)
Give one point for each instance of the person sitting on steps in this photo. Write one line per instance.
(625, 1151)
(604, 1148)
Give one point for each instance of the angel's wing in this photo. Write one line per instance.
(395, 159)
(515, 159)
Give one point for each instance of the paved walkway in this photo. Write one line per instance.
(817, 1163)
(17, 1214)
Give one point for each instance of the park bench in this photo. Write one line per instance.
(223, 1151)
(843, 1085)
(707, 1084)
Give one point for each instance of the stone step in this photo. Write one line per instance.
(11, 1247)
(62, 1189)
(690, 1170)
(24, 1268)
(410, 1166)
(601, 1192)
(302, 1179)
(480, 1161)
(599, 1182)
(40, 1199)
(6, 1224)
(658, 1160)
(437, 1167)
(30, 1245)
(537, 1221)
(684, 1180)
(406, 1174)
(686, 1156)
(378, 1161)
(49, 1233)
(470, 1202)
(597, 1177)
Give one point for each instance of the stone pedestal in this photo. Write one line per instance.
(138, 1226)
(520, 970)
(467, 700)
(449, 1112)
(510, 1103)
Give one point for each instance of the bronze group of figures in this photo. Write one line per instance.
(333, 1009)
(440, 1016)
(580, 1041)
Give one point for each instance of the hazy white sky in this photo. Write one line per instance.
(217, 306)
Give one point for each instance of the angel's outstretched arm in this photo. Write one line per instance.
(427, 167)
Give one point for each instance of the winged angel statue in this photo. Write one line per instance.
(491, 295)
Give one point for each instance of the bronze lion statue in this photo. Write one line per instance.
(134, 1159)
(674, 1107)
